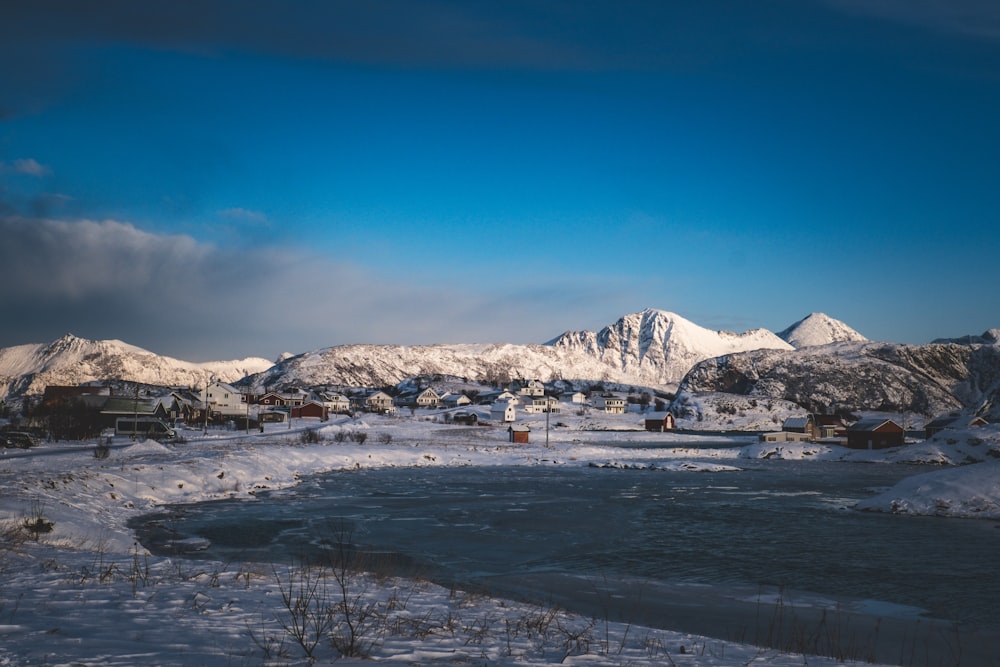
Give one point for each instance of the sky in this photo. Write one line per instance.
(216, 179)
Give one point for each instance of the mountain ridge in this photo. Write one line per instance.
(70, 360)
(651, 348)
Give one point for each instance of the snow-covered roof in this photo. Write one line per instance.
(872, 424)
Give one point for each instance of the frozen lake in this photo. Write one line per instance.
(729, 554)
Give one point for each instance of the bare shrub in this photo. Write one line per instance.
(358, 623)
(310, 437)
(35, 523)
(307, 619)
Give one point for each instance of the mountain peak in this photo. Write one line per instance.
(661, 345)
(819, 329)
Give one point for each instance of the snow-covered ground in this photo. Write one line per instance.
(77, 589)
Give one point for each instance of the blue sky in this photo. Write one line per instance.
(219, 179)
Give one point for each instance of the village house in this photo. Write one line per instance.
(373, 401)
(575, 397)
(809, 428)
(273, 399)
(224, 400)
(527, 387)
(785, 436)
(952, 422)
(335, 403)
(800, 424)
(829, 427)
(537, 405)
(467, 418)
(310, 409)
(502, 411)
(659, 421)
(490, 397)
(424, 398)
(450, 400)
(875, 434)
(610, 404)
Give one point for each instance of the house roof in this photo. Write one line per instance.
(956, 421)
(797, 422)
(871, 424)
(226, 387)
(127, 406)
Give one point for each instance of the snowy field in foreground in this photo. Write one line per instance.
(85, 593)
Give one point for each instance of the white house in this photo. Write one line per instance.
(502, 411)
(450, 400)
(532, 388)
(540, 404)
(610, 403)
(224, 399)
(374, 401)
(576, 397)
(336, 403)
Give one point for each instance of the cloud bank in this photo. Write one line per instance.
(176, 296)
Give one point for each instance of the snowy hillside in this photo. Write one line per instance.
(380, 365)
(923, 380)
(660, 346)
(28, 369)
(819, 329)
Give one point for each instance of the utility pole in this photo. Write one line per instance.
(205, 411)
(135, 412)
(548, 411)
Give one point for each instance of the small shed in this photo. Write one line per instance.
(659, 421)
(518, 433)
(875, 434)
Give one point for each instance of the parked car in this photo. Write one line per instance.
(18, 439)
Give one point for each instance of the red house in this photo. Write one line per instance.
(311, 409)
(875, 434)
(659, 421)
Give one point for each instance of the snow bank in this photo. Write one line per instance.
(969, 491)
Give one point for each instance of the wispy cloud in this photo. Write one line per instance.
(979, 18)
(244, 216)
(26, 166)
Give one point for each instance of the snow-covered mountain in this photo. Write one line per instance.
(28, 369)
(926, 380)
(819, 329)
(651, 348)
(661, 346)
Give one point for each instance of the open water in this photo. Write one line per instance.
(727, 554)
